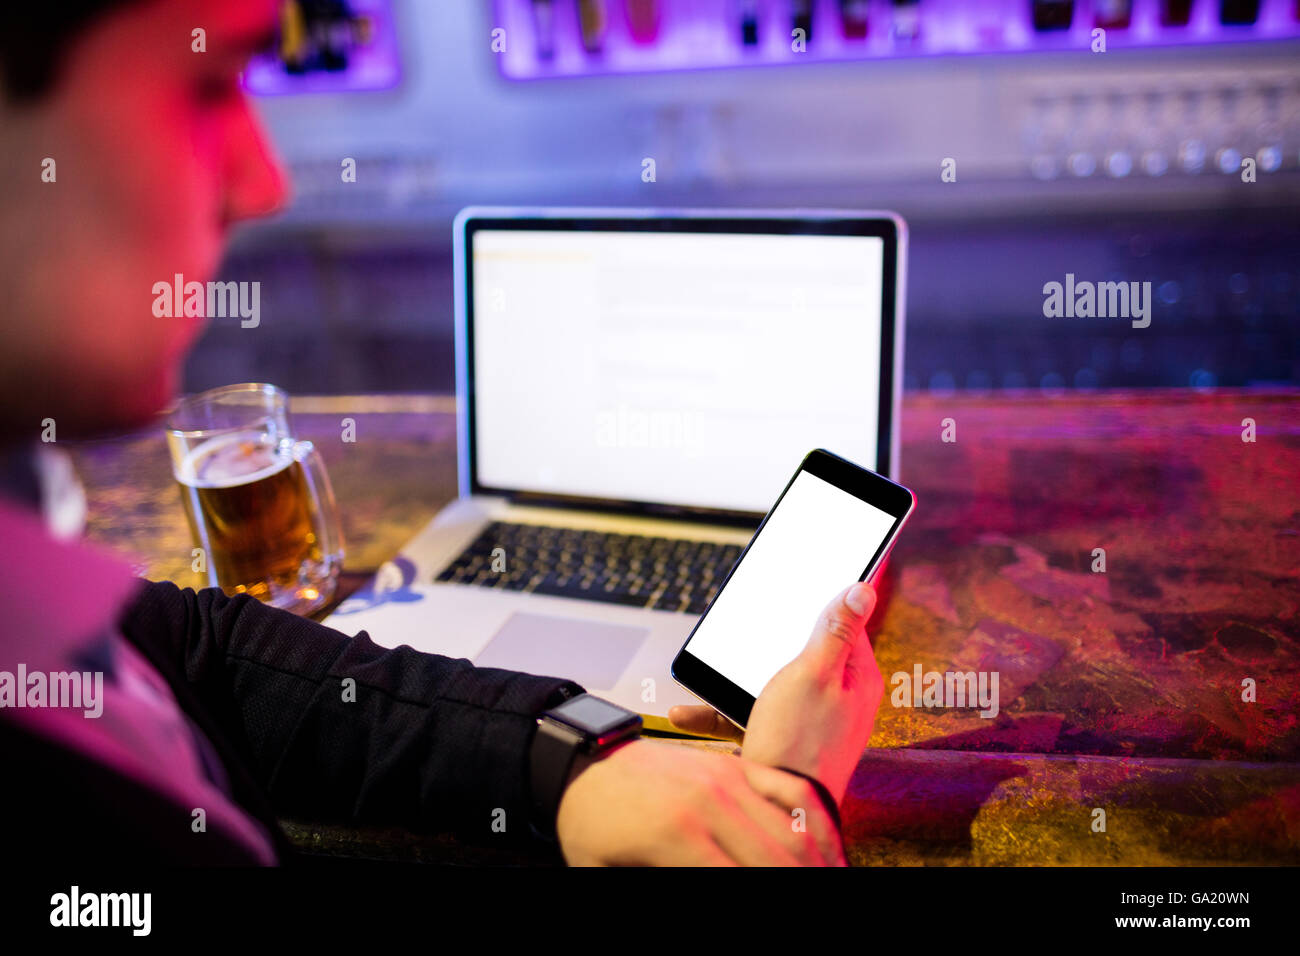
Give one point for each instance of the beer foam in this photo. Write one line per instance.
(233, 460)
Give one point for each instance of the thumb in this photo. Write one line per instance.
(842, 627)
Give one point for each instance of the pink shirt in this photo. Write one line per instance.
(60, 602)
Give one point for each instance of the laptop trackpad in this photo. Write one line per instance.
(592, 653)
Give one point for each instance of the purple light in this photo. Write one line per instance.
(704, 34)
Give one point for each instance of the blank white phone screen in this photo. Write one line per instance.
(815, 544)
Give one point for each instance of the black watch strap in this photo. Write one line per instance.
(555, 747)
(832, 808)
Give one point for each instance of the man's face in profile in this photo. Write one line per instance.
(156, 153)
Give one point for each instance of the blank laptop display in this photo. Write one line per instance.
(683, 368)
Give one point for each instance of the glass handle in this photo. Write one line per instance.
(329, 527)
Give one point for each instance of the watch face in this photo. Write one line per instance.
(591, 714)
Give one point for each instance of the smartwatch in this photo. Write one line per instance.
(569, 737)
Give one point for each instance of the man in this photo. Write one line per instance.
(125, 156)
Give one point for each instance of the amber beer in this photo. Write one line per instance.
(251, 510)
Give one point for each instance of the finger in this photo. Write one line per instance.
(698, 719)
(842, 628)
(792, 792)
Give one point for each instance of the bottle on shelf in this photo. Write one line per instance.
(642, 19)
(544, 29)
(1238, 12)
(1175, 13)
(1112, 14)
(853, 19)
(592, 23)
(907, 20)
(749, 22)
(801, 17)
(1051, 15)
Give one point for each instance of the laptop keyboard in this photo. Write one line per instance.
(670, 574)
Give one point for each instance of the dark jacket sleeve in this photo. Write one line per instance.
(423, 741)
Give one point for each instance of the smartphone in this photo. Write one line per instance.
(834, 523)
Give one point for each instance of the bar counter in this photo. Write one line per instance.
(1121, 690)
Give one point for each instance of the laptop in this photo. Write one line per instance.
(634, 388)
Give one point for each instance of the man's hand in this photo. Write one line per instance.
(652, 803)
(815, 715)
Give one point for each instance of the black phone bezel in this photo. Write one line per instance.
(720, 693)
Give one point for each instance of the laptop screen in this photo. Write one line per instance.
(675, 367)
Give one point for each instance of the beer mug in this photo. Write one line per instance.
(259, 503)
